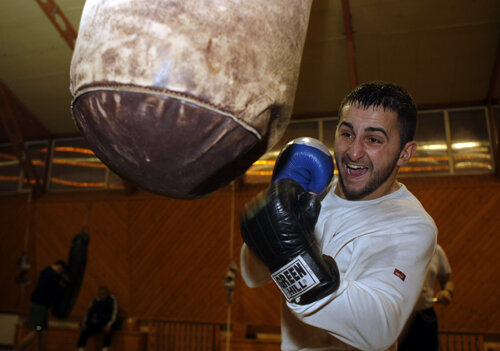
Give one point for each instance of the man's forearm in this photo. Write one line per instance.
(253, 270)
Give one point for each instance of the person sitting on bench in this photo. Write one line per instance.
(101, 317)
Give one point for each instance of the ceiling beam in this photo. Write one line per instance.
(495, 74)
(420, 108)
(30, 126)
(59, 20)
(351, 51)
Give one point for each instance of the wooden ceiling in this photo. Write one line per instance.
(446, 53)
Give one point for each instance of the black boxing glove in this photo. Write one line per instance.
(278, 227)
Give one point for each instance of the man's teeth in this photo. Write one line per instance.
(355, 166)
(350, 166)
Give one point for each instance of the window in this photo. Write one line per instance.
(470, 142)
(9, 170)
(454, 141)
(450, 141)
(431, 155)
(74, 166)
(38, 154)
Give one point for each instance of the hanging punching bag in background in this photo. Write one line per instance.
(73, 277)
(182, 96)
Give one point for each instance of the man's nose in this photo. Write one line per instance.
(356, 149)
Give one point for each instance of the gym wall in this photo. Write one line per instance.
(166, 259)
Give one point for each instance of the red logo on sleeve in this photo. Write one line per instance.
(399, 274)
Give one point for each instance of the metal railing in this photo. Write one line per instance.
(183, 336)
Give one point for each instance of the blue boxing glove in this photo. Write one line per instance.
(307, 161)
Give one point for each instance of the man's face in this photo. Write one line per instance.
(102, 293)
(368, 151)
(58, 268)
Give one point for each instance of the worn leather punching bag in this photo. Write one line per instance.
(181, 96)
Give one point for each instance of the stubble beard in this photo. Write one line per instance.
(375, 181)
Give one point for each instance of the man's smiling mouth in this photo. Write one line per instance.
(355, 170)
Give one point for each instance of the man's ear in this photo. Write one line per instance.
(407, 153)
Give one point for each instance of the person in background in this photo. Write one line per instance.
(422, 330)
(43, 297)
(101, 317)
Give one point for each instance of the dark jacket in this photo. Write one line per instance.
(102, 312)
(47, 287)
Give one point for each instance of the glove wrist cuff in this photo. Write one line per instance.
(306, 278)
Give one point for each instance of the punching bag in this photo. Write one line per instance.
(181, 96)
(73, 277)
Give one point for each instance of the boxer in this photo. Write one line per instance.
(375, 229)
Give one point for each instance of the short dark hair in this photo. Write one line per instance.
(390, 97)
(61, 263)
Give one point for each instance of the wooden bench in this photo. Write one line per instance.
(177, 336)
(64, 338)
(243, 344)
(252, 338)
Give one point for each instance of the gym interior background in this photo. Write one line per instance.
(165, 259)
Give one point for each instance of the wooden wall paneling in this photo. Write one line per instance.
(107, 262)
(166, 258)
(253, 305)
(475, 250)
(56, 225)
(64, 339)
(179, 254)
(467, 216)
(57, 222)
(14, 217)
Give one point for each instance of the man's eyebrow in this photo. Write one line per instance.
(374, 129)
(369, 129)
(347, 124)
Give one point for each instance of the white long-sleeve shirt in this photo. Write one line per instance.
(382, 248)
